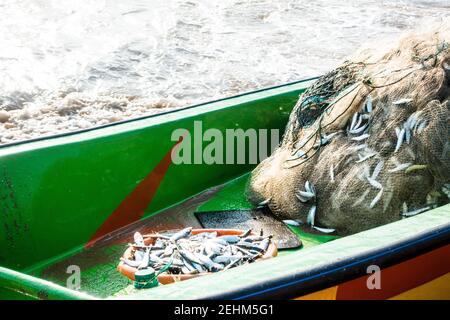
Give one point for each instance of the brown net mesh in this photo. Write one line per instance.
(372, 137)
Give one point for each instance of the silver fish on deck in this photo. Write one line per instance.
(138, 239)
(181, 234)
(145, 260)
(185, 253)
(131, 263)
(225, 259)
(230, 238)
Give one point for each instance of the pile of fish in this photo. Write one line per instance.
(185, 253)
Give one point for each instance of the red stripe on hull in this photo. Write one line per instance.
(133, 206)
(400, 277)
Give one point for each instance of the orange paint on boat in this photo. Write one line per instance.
(132, 208)
(437, 289)
(421, 277)
(325, 294)
(400, 277)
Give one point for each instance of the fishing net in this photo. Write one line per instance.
(369, 139)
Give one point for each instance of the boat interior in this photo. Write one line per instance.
(63, 205)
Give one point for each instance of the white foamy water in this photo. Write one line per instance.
(67, 65)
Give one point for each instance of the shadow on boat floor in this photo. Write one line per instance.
(98, 263)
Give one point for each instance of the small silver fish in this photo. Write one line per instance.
(168, 251)
(446, 189)
(360, 129)
(181, 234)
(154, 258)
(415, 212)
(253, 238)
(207, 262)
(247, 245)
(311, 216)
(219, 240)
(354, 119)
(211, 247)
(361, 137)
(264, 203)
(364, 158)
(412, 121)
(400, 167)
(230, 238)
(138, 255)
(189, 266)
(377, 169)
(131, 263)
(324, 230)
(246, 233)
(369, 107)
(332, 173)
(309, 187)
(305, 195)
(294, 223)
(264, 244)
(361, 199)
(376, 199)
(139, 239)
(189, 256)
(401, 136)
(401, 102)
(302, 199)
(232, 264)
(407, 135)
(174, 261)
(157, 253)
(224, 259)
(145, 260)
(299, 154)
(421, 126)
(185, 270)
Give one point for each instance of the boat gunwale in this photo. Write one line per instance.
(348, 269)
(435, 232)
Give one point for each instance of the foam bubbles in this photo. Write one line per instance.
(68, 65)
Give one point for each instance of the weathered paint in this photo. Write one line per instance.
(132, 208)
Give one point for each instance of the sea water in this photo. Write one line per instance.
(68, 65)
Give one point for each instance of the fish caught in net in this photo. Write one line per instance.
(367, 143)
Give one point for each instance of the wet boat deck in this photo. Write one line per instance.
(98, 263)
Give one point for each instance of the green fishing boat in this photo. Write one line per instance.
(70, 204)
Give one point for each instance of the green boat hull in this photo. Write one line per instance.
(62, 196)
